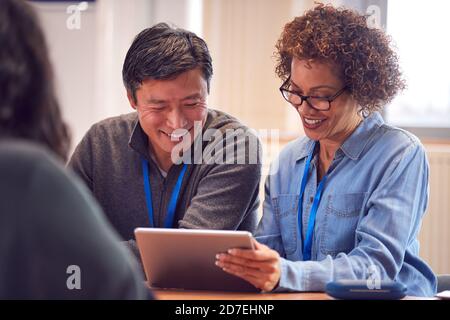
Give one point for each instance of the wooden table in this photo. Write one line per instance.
(162, 294)
(216, 295)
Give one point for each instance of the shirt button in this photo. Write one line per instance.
(311, 199)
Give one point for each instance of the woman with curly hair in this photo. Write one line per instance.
(348, 199)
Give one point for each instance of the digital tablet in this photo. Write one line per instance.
(185, 258)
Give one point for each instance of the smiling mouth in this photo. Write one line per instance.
(312, 123)
(176, 136)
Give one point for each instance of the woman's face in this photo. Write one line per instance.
(319, 79)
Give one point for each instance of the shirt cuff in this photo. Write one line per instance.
(293, 276)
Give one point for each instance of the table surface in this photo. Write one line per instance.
(163, 294)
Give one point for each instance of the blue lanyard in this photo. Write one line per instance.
(307, 242)
(168, 222)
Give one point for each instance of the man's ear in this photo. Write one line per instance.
(131, 99)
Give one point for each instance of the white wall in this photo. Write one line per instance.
(72, 54)
(88, 61)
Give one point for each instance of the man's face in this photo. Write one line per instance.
(164, 106)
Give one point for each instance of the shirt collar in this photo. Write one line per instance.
(355, 144)
(139, 141)
(305, 149)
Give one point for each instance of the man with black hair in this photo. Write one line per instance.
(173, 162)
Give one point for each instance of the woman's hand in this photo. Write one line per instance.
(260, 267)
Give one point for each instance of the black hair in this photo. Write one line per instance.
(163, 52)
(28, 105)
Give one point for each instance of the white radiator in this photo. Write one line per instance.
(435, 233)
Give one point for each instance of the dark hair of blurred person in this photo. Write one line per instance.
(28, 106)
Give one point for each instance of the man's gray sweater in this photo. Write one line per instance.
(213, 196)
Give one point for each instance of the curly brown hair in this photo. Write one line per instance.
(366, 62)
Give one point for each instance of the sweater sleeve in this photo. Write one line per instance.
(81, 161)
(225, 198)
(227, 195)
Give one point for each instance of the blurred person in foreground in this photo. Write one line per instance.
(54, 242)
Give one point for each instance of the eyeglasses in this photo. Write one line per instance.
(317, 103)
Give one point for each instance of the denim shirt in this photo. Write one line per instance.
(368, 218)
